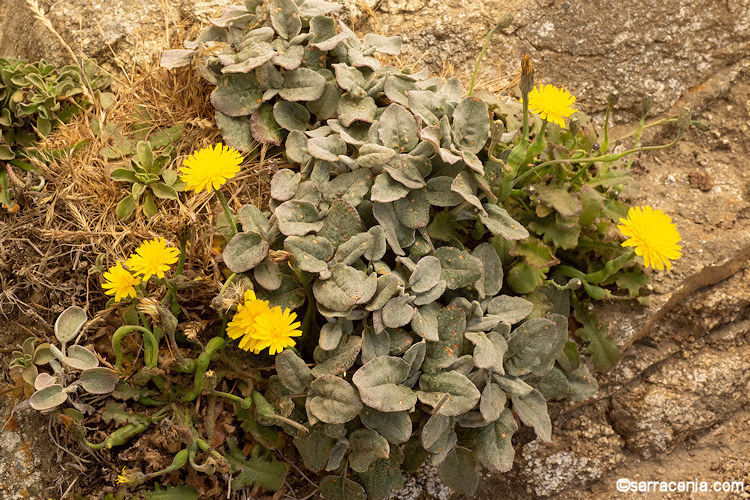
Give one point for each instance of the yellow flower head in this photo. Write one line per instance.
(243, 322)
(122, 478)
(120, 282)
(210, 167)
(275, 328)
(551, 103)
(653, 235)
(152, 258)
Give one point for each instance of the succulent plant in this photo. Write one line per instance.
(150, 177)
(34, 98)
(72, 367)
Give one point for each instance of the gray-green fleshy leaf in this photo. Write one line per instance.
(284, 183)
(69, 323)
(98, 380)
(493, 445)
(291, 115)
(532, 410)
(302, 84)
(48, 398)
(459, 268)
(398, 129)
(342, 222)
(528, 346)
(326, 148)
(499, 222)
(510, 309)
(315, 448)
(297, 218)
(492, 270)
(245, 251)
(293, 371)
(396, 427)
(426, 274)
(342, 290)
(264, 127)
(380, 384)
(471, 125)
(463, 394)
(235, 131)
(332, 400)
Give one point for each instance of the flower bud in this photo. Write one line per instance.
(209, 381)
(504, 21)
(574, 126)
(613, 99)
(574, 284)
(527, 74)
(498, 128)
(683, 120)
(646, 104)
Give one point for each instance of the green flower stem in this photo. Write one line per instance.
(604, 158)
(120, 436)
(224, 205)
(598, 277)
(179, 460)
(479, 59)
(605, 143)
(245, 403)
(265, 410)
(151, 345)
(309, 318)
(201, 366)
(525, 116)
(183, 255)
(226, 284)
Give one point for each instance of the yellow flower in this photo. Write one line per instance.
(551, 103)
(653, 235)
(210, 167)
(122, 478)
(275, 328)
(153, 257)
(120, 282)
(243, 322)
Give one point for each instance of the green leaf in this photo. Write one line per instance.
(383, 475)
(48, 398)
(367, 446)
(125, 208)
(532, 410)
(535, 254)
(339, 360)
(239, 96)
(326, 148)
(604, 353)
(380, 384)
(398, 129)
(315, 448)
(462, 393)
(235, 131)
(413, 210)
(291, 115)
(582, 384)
(510, 309)
(285, 18)
(460, 471)
(293, 371)
(561, 233)
(563, 201)
(297, 218)
(458, 268)
(499, 222)
(245, 251)
(492, 270)
(493, 445)
(264, 127)
(341, 488)
(342, 223)
(451, 323)
(396, 427)
(528, 346)
(471, 125)
(524, 279)
(69, 323)
(311, 252)
(163, 191)
(302, 84)
(98, 380)
(149, 206)
(268, 473)
(332, 400)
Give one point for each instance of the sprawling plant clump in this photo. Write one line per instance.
(34, 98)
(432, 245)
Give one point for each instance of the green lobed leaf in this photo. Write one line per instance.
(291, 115)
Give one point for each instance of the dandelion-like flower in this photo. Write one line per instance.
(120, 282)
(275, 328)
(152, 258)
(653, 235)
(551, 103)
(210, 167)
(243, 322)
(122, 478)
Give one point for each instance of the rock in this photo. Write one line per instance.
(661, 48)
(682, 399)
(132, 30)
